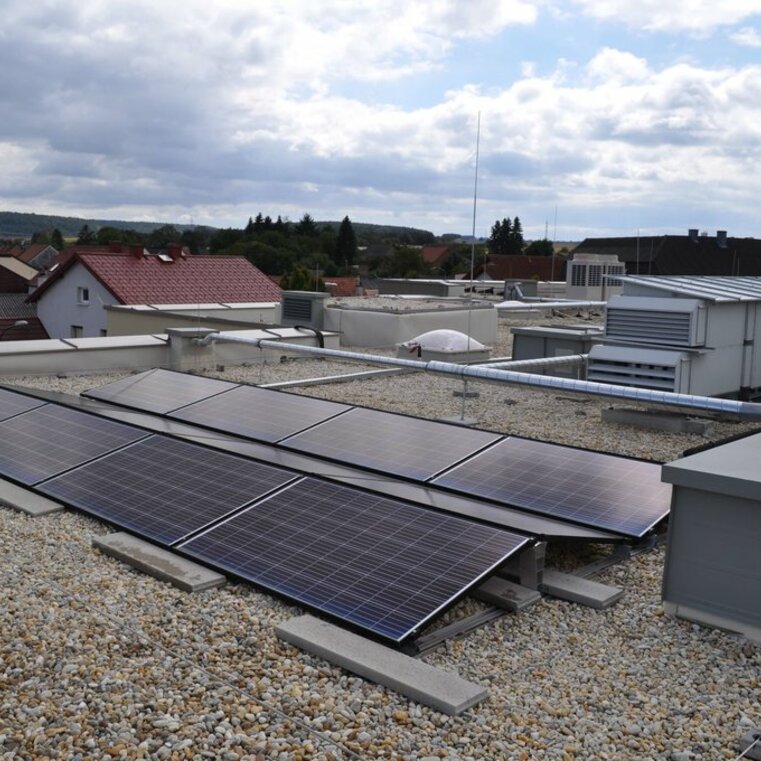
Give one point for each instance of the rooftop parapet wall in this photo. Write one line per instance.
(174, 349)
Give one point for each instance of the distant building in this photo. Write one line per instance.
(37, 255)
(692, 254)
(16, 278)
(70, 301)
(434, 256)
(512, 266)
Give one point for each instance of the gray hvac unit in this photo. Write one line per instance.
(712, 573)
(305, 308)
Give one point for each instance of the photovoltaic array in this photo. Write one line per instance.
(382, 565)
(379, 564)
(259, 413)
(575, 486)
(12, 404)
(159, 390)
(608, 492)
(403, 446)
(51, 439)
(164, 488)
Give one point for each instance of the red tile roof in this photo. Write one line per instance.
(345, 286)
(185, 280)
(434, 254)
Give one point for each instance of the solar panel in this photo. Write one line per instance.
(159, 390)
(404, 446)
(605, 491)
(382, 565)
(13, 404)
(259, 413)
(50, 439)
(163, 488)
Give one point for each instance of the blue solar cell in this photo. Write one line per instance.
(50, 439)
(379, 564)
(12, 403)
(259, 413)
(159, 390)
(403, 446)
(600, 490)
(165, 489)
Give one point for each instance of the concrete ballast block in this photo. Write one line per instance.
(412, 678)
(27, 501)
(159, 563)
(505, 594)
(580, 590)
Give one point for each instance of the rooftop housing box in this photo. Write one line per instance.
(686, 335)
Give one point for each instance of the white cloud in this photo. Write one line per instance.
(747, 36)
(699, 17)
(617, 66)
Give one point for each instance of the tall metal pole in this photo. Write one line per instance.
(472, 258)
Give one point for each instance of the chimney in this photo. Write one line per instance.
(721, 238)
(174, 250)
(693, 233)
(136, 250)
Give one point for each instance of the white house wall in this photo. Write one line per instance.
(58, 308)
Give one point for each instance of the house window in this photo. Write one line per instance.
(76, 331)
(83, 295)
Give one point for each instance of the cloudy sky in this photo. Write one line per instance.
(597, 116)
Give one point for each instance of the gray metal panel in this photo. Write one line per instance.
(713, 563)
(704, 287)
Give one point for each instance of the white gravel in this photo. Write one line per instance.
(99, 661)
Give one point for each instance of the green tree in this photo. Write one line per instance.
(541, 247)
(300, 278)
(404, 262)
(517, 244)
(107, 234)
(346, 244)
(163, 236)
(86, 236)
(56, 239)
(306, 227)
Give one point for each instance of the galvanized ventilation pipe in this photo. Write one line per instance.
(747, 410)
(515, 364)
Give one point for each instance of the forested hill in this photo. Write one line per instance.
(15, 224)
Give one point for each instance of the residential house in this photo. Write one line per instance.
(15, 280)
(37, 255)
(692, 254)
(435, 257)
(70, 301)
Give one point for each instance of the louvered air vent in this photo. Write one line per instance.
(297, 309)
(661, 377)
(650, 326)
(304, 308)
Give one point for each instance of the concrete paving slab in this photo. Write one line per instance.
(27, 501)
(577, 589)
(159, 563)
(414, 679)
(505, 594)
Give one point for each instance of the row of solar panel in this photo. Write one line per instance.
(383, 565)
(604, 491)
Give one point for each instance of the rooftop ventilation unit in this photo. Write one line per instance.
(305, 308)
(665, 322)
